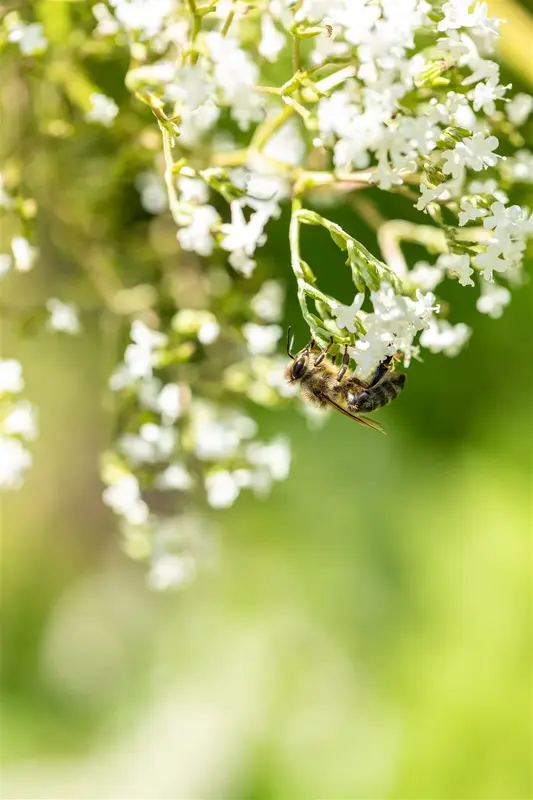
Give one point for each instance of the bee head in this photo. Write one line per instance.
(298, 367)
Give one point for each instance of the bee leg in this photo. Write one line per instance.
(321, 356)
(345, 362)
(380, 371)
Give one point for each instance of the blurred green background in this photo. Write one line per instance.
(368, 630)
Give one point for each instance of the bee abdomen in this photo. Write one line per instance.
(378, 396)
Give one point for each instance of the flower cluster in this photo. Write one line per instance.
(18, 424)
(254, 107)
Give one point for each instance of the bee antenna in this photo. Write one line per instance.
(290, 342)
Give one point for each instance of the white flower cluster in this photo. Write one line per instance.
(18, 424)
(401, 94)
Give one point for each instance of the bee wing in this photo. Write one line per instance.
(361, 420)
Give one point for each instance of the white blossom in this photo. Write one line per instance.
(346, 314)
(6, 262)
(493, 299)
(20, 421)
(275, 457)
(145, 16)
(11, 380)
(268, 302)
(241, 238)
(222, 489)
(124, 498)
(103, 109)
(63, 316)
(169, 571)
(261, 339)
(152, 190)
(519, 108)
(457, 266)
(14, 461)
(272, 40)
(24, 253)
(175, 476)
(443, 337)
(198, 234)
(30, 38)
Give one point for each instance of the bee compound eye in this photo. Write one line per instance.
(298, 368)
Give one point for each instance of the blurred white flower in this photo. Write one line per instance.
(261, 339)
(175, 476)
(519, 108)
(197, 235)
(63, 316)
(152, 190)
(222, 489)
(21, 420)
(457, 266)
(268, 302)
(169, 571)
(103, 109)
(30, 38)
(11, 380)
(493, 299)
(272, 40)
(6, 262)
(443, 337)
(14, 461)
(124, 498)
(23, 253)
(275, 456)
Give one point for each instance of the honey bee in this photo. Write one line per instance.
(323, 384)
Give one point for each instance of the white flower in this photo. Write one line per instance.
(169, 402)
(425, 277)
(124, 498)
(272, 40)
(20, 421)
(261, 339)
(197, 236)
(30, 38)
(456, 15)
(442, 337)
(222, 489)
(152, 190)
(476, 151)
(209, 331)
(63, 316)
(346, 314)
(491, 261)
(268, 302)
(519, 109)
(484, 94)
(103, 109)
(493, 299)
(275, 456)
(457, 266)
(235, 74)
(23, 253)
(191, 87)
(11, 380)
(176, 477)
(193, 190)
(429, 194)
(241, 238)
(470, 212)
(169, 571)
(6, 262)
(146, 16)
(140, 357)
(14, 461)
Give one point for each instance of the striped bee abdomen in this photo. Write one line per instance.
(376, 396)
